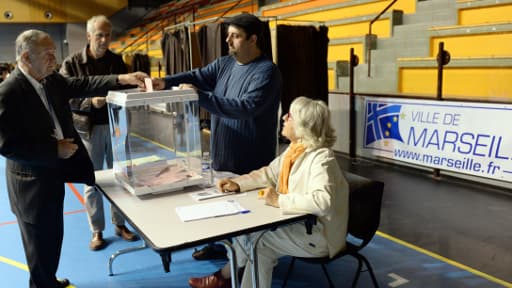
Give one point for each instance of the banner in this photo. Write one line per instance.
(469, 138)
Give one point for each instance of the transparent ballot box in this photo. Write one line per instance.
(156, 141)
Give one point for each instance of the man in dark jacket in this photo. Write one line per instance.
(43, 149)
(90, 117)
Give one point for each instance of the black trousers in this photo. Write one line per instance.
(42, 243)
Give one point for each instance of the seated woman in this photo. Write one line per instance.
(305, 179)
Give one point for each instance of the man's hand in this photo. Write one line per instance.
(158, 83)
(98, 102)
(187, 86)
(135, 78)
(66, 148)
(270, 196)
(227, 185)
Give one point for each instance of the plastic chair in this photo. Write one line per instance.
(365, 199)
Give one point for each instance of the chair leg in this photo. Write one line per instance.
(369, 267)
(358, 271)
(290, 268)
(331, 285)
(360, 259)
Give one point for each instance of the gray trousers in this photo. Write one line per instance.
(99, 147)
(288, 240)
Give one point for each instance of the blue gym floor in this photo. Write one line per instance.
(396, 263)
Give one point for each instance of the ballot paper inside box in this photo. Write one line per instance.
(156, 142)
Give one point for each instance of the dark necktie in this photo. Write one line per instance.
(55, 121)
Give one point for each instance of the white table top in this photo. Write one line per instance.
(155, 218)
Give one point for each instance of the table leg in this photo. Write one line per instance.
(254, 260)
(232, 263)
(166, 260)
(123, 251)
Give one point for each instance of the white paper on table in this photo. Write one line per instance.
(209, 210)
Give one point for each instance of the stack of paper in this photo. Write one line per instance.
(209, 210)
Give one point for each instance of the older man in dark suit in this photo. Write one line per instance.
(43, 149)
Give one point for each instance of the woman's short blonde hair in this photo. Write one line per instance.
(312, 122)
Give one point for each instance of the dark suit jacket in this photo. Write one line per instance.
(34, 171)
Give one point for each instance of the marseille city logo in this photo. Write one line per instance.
(382, 122)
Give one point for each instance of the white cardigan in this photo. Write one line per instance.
(316, 186)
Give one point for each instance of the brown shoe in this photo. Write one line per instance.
(126, 234)
(212, 281)
(97, 241)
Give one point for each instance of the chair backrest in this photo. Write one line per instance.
(365, 200)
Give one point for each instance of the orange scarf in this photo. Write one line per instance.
(295, 150)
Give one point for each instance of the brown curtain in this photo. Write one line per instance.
(212, 42)
(302, 59)
(140, 62)
(176, 50)
(266, 43)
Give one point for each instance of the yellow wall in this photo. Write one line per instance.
(478, 82)
(154, 73)
(491, 83)
(417, 81)
(408, 6)
(342, 52)
(219, 9)
(380, 28)
(299, 7)
(331, 79)
(496, 44)
(155, 53)
(236, 10)
(482, 15)
(32, 11)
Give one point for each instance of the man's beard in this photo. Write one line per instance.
(232, 51)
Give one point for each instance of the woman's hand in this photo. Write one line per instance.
(270, 196)
(227, 185)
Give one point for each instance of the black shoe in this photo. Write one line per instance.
(210, 252)
(62, 283)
